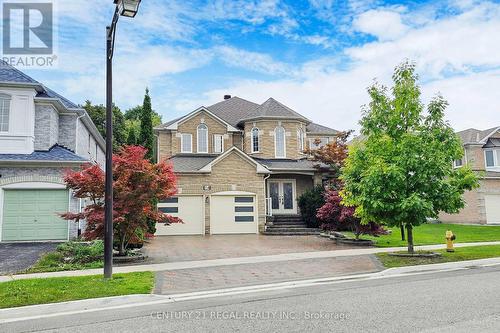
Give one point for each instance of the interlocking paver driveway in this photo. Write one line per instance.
(197, 279)
(16, 257)
(163, 249)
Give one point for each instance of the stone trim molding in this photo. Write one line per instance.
(31, 178)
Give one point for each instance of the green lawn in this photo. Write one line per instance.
(61, 289)
(426, 234)
(460, 254)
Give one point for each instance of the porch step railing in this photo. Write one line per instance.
(269, 209)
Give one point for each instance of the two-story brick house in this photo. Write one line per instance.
(41, 135)
(482, 154)
(236, 163)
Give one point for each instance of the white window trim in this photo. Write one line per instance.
(276, 143)
(182, 143)
(301, 140)
(216, 136)
(8, 99)
(258, 141)
(496, 166)
(198, 139)
(455, 166)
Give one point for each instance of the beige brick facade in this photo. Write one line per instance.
(232, 173)
(266, 135)
(170, 141)
(475, 209)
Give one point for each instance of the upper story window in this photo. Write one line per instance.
(186, 143)
(279, 142)
(218, 143)
(492, 158)
(255, 140)
(301, 137)
(318, 142)
(4, 112)
(202, 138)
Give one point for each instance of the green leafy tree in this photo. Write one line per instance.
(132, 136)
(146, 136)
(402, 173)
(135, 114)
(98, 115)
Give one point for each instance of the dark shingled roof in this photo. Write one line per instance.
(492, 142)
(56, 153)
(287, 164)
(234, 109)
(316, 128)
(473, 135)
(274, 109)
(11, 74)
(191, 162)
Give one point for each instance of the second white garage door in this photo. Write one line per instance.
(233, 214)
(492, 205)
(189, 209)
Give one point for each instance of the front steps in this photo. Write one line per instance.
(289, 225)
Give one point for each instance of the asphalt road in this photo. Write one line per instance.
(456, 301)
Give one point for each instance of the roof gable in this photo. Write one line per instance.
(234, 150)
(476, 136)
(234, 109)
(173, 125)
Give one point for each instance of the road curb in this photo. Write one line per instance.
(234, 261)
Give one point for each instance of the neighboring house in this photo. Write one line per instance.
(41, 135)
(236, 163)
(482, 154)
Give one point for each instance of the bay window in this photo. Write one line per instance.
(255, 140)
(279, 142)
(202, 138)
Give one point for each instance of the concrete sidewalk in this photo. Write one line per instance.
(235, 261)
(71, 308)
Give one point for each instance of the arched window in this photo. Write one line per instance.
(4, 112)
(301, 139)
(202, 138)
(255, 140)
(279, 142)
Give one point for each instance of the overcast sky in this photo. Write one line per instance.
(317, 56)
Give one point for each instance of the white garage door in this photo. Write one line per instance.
(187, 208)
(492, 204)
(233, 214)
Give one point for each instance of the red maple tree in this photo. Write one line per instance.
(335, 216)
(137, 185)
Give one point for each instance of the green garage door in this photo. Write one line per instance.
(32, 215)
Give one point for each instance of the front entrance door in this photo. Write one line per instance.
(283, 196)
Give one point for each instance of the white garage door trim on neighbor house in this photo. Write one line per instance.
(234, 212)
(492, 206)
(189, 208)
(31, 186)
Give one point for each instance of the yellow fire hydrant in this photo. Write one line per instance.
(450, 237)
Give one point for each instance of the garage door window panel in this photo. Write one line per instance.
(244, 218)
(169, 210)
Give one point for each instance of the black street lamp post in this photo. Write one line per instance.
(126, 8)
